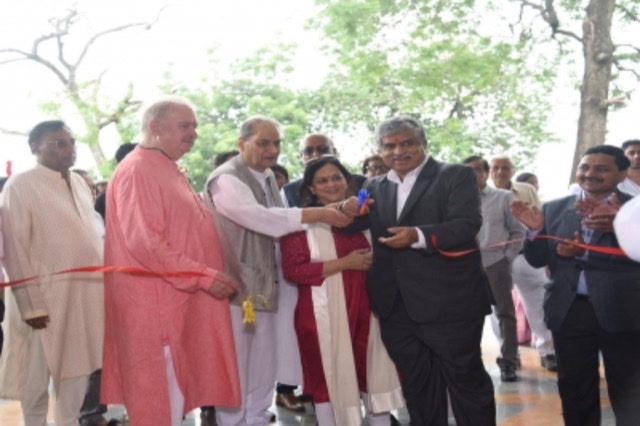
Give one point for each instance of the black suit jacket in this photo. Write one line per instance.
(445, 204)
(294, 199)
(613, 282)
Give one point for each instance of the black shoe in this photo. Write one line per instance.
(507, 370)
(394, 421)
(208, 416)
(550, 362)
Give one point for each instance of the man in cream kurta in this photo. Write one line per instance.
(54, 326)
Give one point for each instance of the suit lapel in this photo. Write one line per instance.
(422, 183)
(388, 202)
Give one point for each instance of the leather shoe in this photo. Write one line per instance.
(208, 417)
(394, 421)
(507, 370)
(550, 362)
(290, 402)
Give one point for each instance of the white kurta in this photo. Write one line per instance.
(234, 199)
(49, 227)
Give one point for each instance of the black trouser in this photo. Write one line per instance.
(436, 358)
(578, 343)
(92, 411)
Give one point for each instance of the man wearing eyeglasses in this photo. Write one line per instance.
(55, 322)
(313, 146)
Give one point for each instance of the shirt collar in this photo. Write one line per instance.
(393, 176)
(52, 174)
(260, 176)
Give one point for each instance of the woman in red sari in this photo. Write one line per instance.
(338, 336)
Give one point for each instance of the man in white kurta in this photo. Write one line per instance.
(54, 326)
(251, 217)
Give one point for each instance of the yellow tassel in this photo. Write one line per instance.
(249, 313)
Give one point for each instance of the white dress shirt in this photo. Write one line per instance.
(404, 189)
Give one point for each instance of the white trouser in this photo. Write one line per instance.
(256, 356)
(176, 398)
(35, 397)
(529, 282)
(325, 417)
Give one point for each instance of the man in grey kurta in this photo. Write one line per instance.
(55, 323)
(498, 225)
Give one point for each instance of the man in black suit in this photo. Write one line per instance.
(592, 302)
(431, 306)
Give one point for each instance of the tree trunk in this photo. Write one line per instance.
(98, 155)
(598, 55)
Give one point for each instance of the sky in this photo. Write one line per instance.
(180, 40)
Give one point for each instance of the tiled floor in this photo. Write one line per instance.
(532, 401)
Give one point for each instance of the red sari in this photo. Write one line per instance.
(298, 269)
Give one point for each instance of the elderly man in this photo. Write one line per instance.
(591, 303)
(528, 280)
(55, 322)
(498, 224)
(168, 338)
(251, 216)
(431, 305)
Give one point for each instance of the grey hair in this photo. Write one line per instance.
(248, 126)
(312, 135)
(398, 125)
(159, 108)
(502, 156)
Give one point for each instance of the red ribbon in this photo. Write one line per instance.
(110, 269)
(614, 251)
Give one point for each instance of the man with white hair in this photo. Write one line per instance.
(529, 281)
(251, 216)
(168, 338)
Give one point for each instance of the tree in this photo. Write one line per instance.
(257, 87)
(56, 54)
(475, 90)
(606, 64)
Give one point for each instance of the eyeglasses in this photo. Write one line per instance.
(62, 143)
(320, 149)
(377, 168)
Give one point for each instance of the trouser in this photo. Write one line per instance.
(499, 275)
(433, 358)
(578, 343)
(325, 417)
(92, 411)
(529, 282)
(176, 398)
(256, 355)
(35, 396)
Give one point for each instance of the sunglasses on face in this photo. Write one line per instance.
(321, 149)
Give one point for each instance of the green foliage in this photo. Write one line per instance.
(429, 60)
(258, 87)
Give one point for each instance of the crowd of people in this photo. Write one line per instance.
(364, 290)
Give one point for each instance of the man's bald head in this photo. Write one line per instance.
(316, 145)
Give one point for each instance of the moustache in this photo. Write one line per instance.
(401, 157)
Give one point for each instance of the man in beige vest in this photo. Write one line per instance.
(251, 217)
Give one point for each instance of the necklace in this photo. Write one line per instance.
(153, 148)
